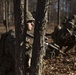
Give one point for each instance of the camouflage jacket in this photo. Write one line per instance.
(28, 47)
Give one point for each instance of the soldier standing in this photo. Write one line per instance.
(28, 54)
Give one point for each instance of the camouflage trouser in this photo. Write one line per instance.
(28, 55)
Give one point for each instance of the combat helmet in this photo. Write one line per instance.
(29, 17)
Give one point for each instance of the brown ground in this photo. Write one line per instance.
(57, 65)
(60, 65)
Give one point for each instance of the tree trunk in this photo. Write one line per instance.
(20, 37)
(39, 40)
(26, 5)
(58, 12)
(6, 15)
(4, 10)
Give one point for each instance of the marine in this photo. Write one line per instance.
(28, 54)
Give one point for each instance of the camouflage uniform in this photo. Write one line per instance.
(65, 35)
(71, 29)
(28, 52)
(69, 26)
(58, 30)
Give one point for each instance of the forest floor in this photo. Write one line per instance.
(59, 65)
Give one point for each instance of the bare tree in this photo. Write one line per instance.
(39, 40)
(20, 37)
(58, 13)
(6, 15)
(27, 5)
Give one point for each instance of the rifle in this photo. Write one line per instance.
(52, 45)
(55, 46)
